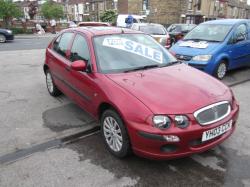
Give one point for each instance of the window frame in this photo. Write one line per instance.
(84, 37)
(235, 32)
(90, 66)
(68, 46)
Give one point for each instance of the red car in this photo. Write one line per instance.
(146, 101)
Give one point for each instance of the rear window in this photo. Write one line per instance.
(153, 29)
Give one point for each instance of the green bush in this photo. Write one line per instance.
(21, 31)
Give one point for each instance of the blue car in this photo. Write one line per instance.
(216, 46)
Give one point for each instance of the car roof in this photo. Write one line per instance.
(93, 24)
(225, 21)
(99, 30)
(184, 24)
(147, 24)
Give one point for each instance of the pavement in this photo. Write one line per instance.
(42, 139)
(32, 36)
(29, 115)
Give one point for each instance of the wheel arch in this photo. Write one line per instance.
(105, 106)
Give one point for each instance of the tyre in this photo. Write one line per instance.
(221, 70)
(53, 90)
(115, 134)
(2, 38)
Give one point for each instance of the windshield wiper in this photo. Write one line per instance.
(198, 40)
(171, 63)
(212, 40)
(142, 68)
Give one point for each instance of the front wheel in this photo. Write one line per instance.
(221, 70)
(2, 38)
(115, 134)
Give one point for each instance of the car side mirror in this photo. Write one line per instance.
(79, 65)
(239, 38)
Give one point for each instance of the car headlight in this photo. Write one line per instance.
(161, 122)
(181, 121)
(9, 31)
(203, 58)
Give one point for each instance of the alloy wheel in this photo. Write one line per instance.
(49, 82)
(222, 69)
(2, 38)
(112, 133)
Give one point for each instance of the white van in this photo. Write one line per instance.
(121, 19)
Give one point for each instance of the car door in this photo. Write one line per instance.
(239, 46)
(82, 82)
(57, 59)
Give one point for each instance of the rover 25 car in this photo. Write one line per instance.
(145, 100)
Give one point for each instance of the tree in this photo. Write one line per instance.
(32, 10)
(8, 10)
(51, 10)
(109, 16)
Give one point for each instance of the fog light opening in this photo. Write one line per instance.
(171, 138)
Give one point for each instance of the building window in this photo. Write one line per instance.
(86, 7)
(145, 5)
(198, 4)
(101, 6)
(93, 6)
(190, 4)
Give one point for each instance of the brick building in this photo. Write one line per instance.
(164, 12)
(185, 11)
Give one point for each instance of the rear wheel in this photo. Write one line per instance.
(115, 134)
(221, 70)
(2, 38)
(53, 90)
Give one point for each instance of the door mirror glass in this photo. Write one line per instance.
(79, 65)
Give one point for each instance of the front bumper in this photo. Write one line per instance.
(9, 36)
(148, 141)
(207, 67)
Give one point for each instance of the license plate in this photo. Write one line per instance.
(213, 133)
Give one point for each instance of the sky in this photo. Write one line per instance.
(248, 1)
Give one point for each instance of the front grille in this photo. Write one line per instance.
(183, 57)
(213, 113)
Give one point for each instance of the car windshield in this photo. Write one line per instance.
(187, 27)
(180, 28)
(153, 29)
(209, 32)
(128, 52)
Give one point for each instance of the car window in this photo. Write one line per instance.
(56, 42)
(153, 29)
(241, 31)
(79, 50)
(64, 43)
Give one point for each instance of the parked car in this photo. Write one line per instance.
(121, 20)
(145, 99)
(178, 31)
(157, 31)
(91, 24)
(216, 46)
(72, 24)
(6, 34)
